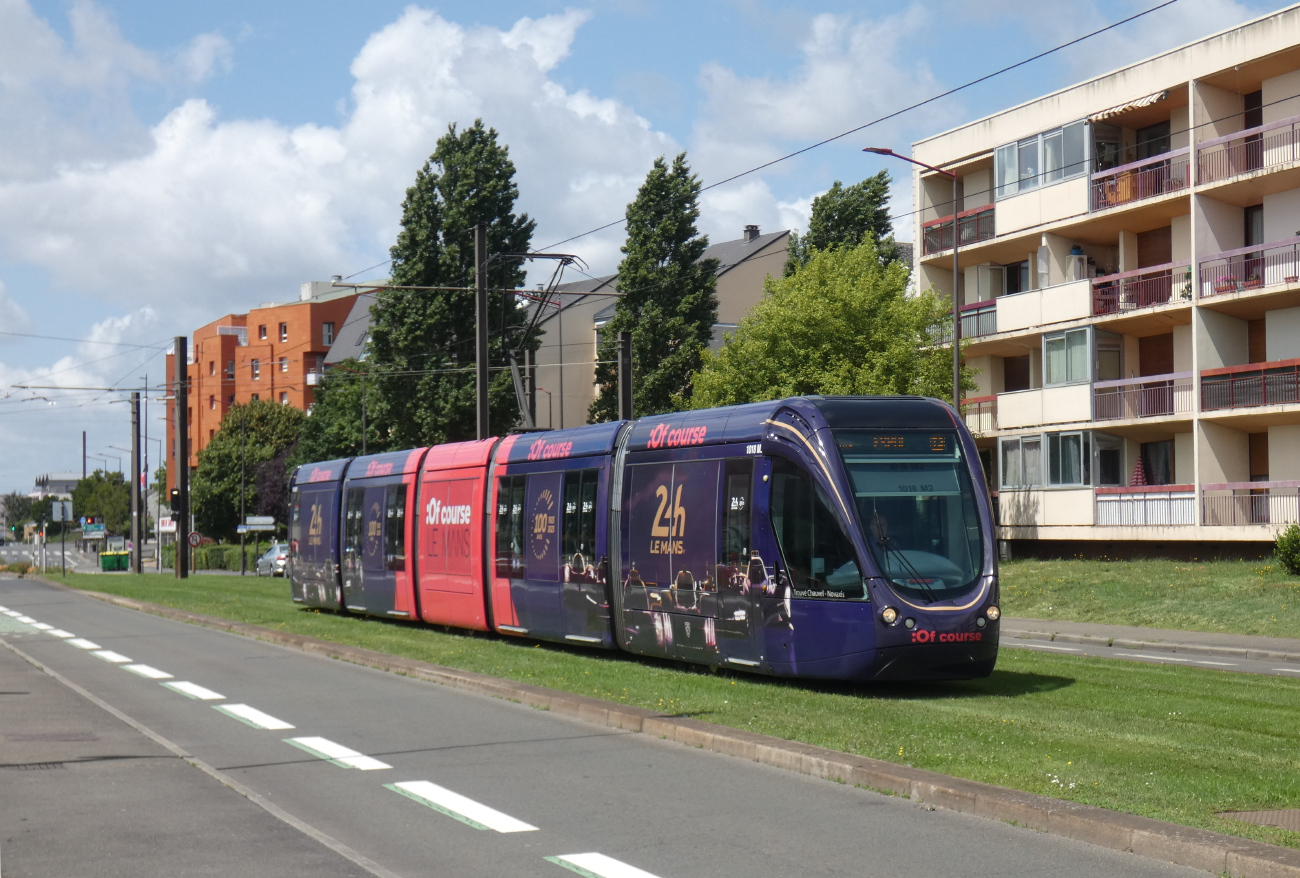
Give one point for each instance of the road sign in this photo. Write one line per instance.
(254, 528)
(167, 525)
(93, 532)
(259, 519)
(195, 538)
(61, 510)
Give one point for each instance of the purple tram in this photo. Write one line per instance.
(821, 537)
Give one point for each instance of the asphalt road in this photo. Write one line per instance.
(441, 782)
(1271, 667)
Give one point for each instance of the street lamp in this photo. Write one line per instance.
(115, 457)
(956, 243)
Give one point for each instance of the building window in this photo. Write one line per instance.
(1022, 462)
(284, 397)
(211, 433)
(261, 332)
(231, 399)
(212, 367)
(284, 332)
(1050, 157)
(230, 369)
(212, 403)
(254, 398)
(327, 333)
(257, 369)
(1069, 459)
(1065, 357)
(284, 364)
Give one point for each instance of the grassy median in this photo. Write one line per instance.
(1239, 597)
(1173, 743)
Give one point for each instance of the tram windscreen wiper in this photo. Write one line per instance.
(880, 532)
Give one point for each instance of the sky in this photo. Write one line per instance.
(163, 164)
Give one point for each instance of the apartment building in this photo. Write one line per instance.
(1129, 282)
(275, 352)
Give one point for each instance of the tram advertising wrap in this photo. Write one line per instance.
(820, 537)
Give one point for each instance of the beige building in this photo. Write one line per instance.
(565, 373)
(1130, 283)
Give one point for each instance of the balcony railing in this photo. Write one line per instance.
(979, 318)
(1150, 396)
(1142, 288)
(1256, 384)
(1251, 268)
(1236, 503)
(976, 225)
(1136, 181)
(1251, 150)
(981, 413)
(1146, 506)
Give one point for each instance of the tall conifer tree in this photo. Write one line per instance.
(668, 297)
(422, 341)
(845, 215)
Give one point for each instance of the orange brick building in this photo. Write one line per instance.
(275, 352)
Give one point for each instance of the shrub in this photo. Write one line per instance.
(19, 567)
(1287, 549)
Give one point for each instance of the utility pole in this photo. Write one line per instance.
(137, 502)
(182, 421)
(83, 454)
(243, 457)
(625, 376)
(363, 414)
(481, 328)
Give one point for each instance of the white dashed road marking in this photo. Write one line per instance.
(26, 620)
(59, 632)
(252, 716)
(1217, 664)
(148, 672)
(41, 626)
(598, 865)
(109, 656)
(1044, 646)
(83, 643)
(1159, 658)
(344, 757)
(1287, 670)
(457, 806)
(194, 690)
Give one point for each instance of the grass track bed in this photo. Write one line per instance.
(1163, 741)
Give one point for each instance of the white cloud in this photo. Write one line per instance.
(205, 55)
(13, 317)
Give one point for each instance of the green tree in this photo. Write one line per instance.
(844, 215)
(252, 434)
(107, 497)
(422, 341)
(842, 324)
(333, 427)
(18, 511)
(668, 296)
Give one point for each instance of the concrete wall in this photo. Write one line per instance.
(1184, 459)
(741, 287)
(1071, 301)
(976, 189)
(988, 375)
(1225, 454)
(1050, 405)
(1282, 215)
(1180, 229)
(1218, 111)
(1059, 506)
(569, 398)
(1183, 348)
(1284, 452)
(1282, 334)
(1281, 96)
(1045, 204)
(1219, 226)
(1222, 340)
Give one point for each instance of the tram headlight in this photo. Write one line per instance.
(909, 623)
(993, 613)
(889, 615)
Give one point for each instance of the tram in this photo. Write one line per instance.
(820, 537)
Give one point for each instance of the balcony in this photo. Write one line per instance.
(1138, 181)
(1241, 503)
(1254, 149)
(976, 225)
(1060, 404)
(1250, 386)
(1251, 268)
(1142, 288)
(980, 318)
(1151, 396)
(1147, 506)
(981, 414)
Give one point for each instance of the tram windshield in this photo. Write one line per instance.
(915, 501)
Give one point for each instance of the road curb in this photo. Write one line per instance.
(1143, 836)
(1159, 645)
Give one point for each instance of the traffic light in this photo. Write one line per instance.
(174, 501)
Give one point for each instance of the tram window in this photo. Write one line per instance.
(738, 481)
(395, 529)
(580, 514)
(352, 528)
(818, 556)
(510, 513)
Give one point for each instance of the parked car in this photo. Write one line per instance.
(272, 563)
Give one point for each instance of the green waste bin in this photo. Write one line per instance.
(111, 561)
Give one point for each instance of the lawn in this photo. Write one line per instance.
(1241, 597)
(1173, 743)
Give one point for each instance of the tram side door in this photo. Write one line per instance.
(585, 614)
(353, 594)
(737, 598)
(377, 582)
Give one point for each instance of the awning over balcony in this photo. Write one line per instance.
(1131, 105)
